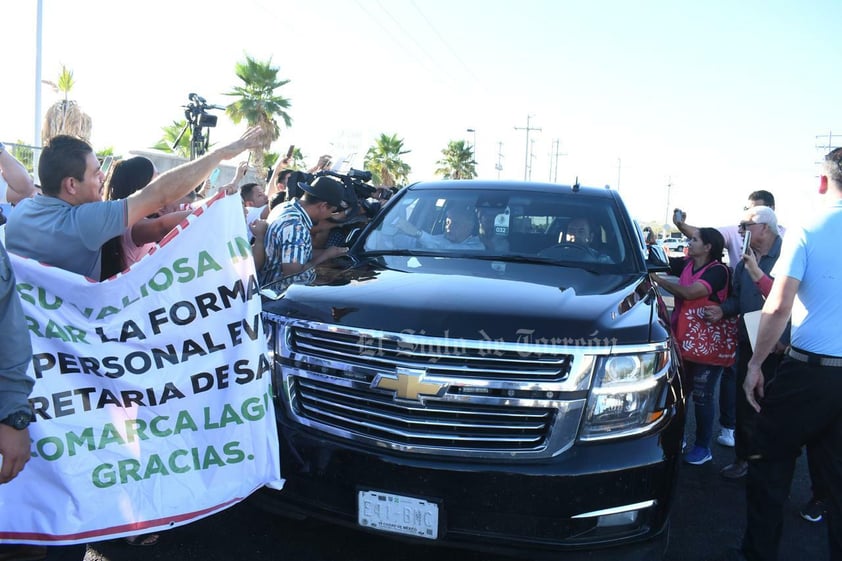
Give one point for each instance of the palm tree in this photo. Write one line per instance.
(171, 132)
(297, 160)
(65, 116)
(457, 162)
(384, 161)
(257, 102)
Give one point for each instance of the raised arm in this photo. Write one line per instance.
(20, 183)
(177, 182)
(678, 217)
(152, 230)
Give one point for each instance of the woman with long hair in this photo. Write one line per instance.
(700, 275)
(118, 254)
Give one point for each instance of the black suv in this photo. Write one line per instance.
(508, 384)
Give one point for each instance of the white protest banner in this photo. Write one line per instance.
(152, 395)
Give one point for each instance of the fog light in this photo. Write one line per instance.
(619, 519)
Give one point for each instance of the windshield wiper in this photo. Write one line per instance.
(536, 260)
(398, 252)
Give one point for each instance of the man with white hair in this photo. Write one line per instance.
(749, 287)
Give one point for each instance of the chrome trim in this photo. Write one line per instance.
(617, 509)
(334, 394)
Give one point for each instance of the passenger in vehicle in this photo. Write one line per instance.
(460, 231)
(491, 239)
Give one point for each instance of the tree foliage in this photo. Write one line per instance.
(256, 100)
(65, 116)
(171, 132)
(457, 161)
(384, 161)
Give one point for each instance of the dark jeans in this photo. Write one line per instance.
(702, 379)
(728, 390)
(746, 415)
(801, 406)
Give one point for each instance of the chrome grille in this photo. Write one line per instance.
(491, 402)
(438, 356)
(451, 424)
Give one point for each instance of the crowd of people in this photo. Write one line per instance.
(777, 395)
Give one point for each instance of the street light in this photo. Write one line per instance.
(474, 145)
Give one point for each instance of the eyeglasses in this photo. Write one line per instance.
(744, 225)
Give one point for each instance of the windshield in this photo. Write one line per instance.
(567, 228)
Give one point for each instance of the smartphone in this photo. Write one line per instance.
(106, 164)
(746, 242)
(291, 150)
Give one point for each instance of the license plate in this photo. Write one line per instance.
(398, 514)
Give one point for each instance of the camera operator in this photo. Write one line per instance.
(364, 202)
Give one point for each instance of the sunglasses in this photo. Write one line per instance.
(744, 225)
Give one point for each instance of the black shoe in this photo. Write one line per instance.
(736, 470)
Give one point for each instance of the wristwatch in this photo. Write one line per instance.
(19, 420)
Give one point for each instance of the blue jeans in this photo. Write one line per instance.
(702, 378)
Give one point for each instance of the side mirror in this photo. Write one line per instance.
(656, 259)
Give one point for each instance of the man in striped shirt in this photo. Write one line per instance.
(290, 256)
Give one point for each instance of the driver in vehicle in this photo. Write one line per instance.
(579, 232)
(580, 235)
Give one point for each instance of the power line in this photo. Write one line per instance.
(445, 43)
(392, 36)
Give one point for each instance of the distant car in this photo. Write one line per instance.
(675, 244)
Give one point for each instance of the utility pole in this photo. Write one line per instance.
(474, 145)
(499, 165)
(554, 160)
(526, 164)
(531, 157)
(667, 221)
(619, 168)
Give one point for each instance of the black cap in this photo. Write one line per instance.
(326, 189)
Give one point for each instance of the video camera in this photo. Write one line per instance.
(356, 188)
(196, 111)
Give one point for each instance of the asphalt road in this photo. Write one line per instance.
(708, 516)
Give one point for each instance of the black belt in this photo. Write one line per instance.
(814, 359)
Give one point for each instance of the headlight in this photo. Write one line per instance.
(624, 395)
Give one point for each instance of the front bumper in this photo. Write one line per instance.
(503, 507)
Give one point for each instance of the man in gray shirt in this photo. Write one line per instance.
(67, 226)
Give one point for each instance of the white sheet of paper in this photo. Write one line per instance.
(752, 321)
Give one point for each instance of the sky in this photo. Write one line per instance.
(673, 103)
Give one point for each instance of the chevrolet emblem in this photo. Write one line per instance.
(409, 383)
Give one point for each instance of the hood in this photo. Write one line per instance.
(473, 299)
